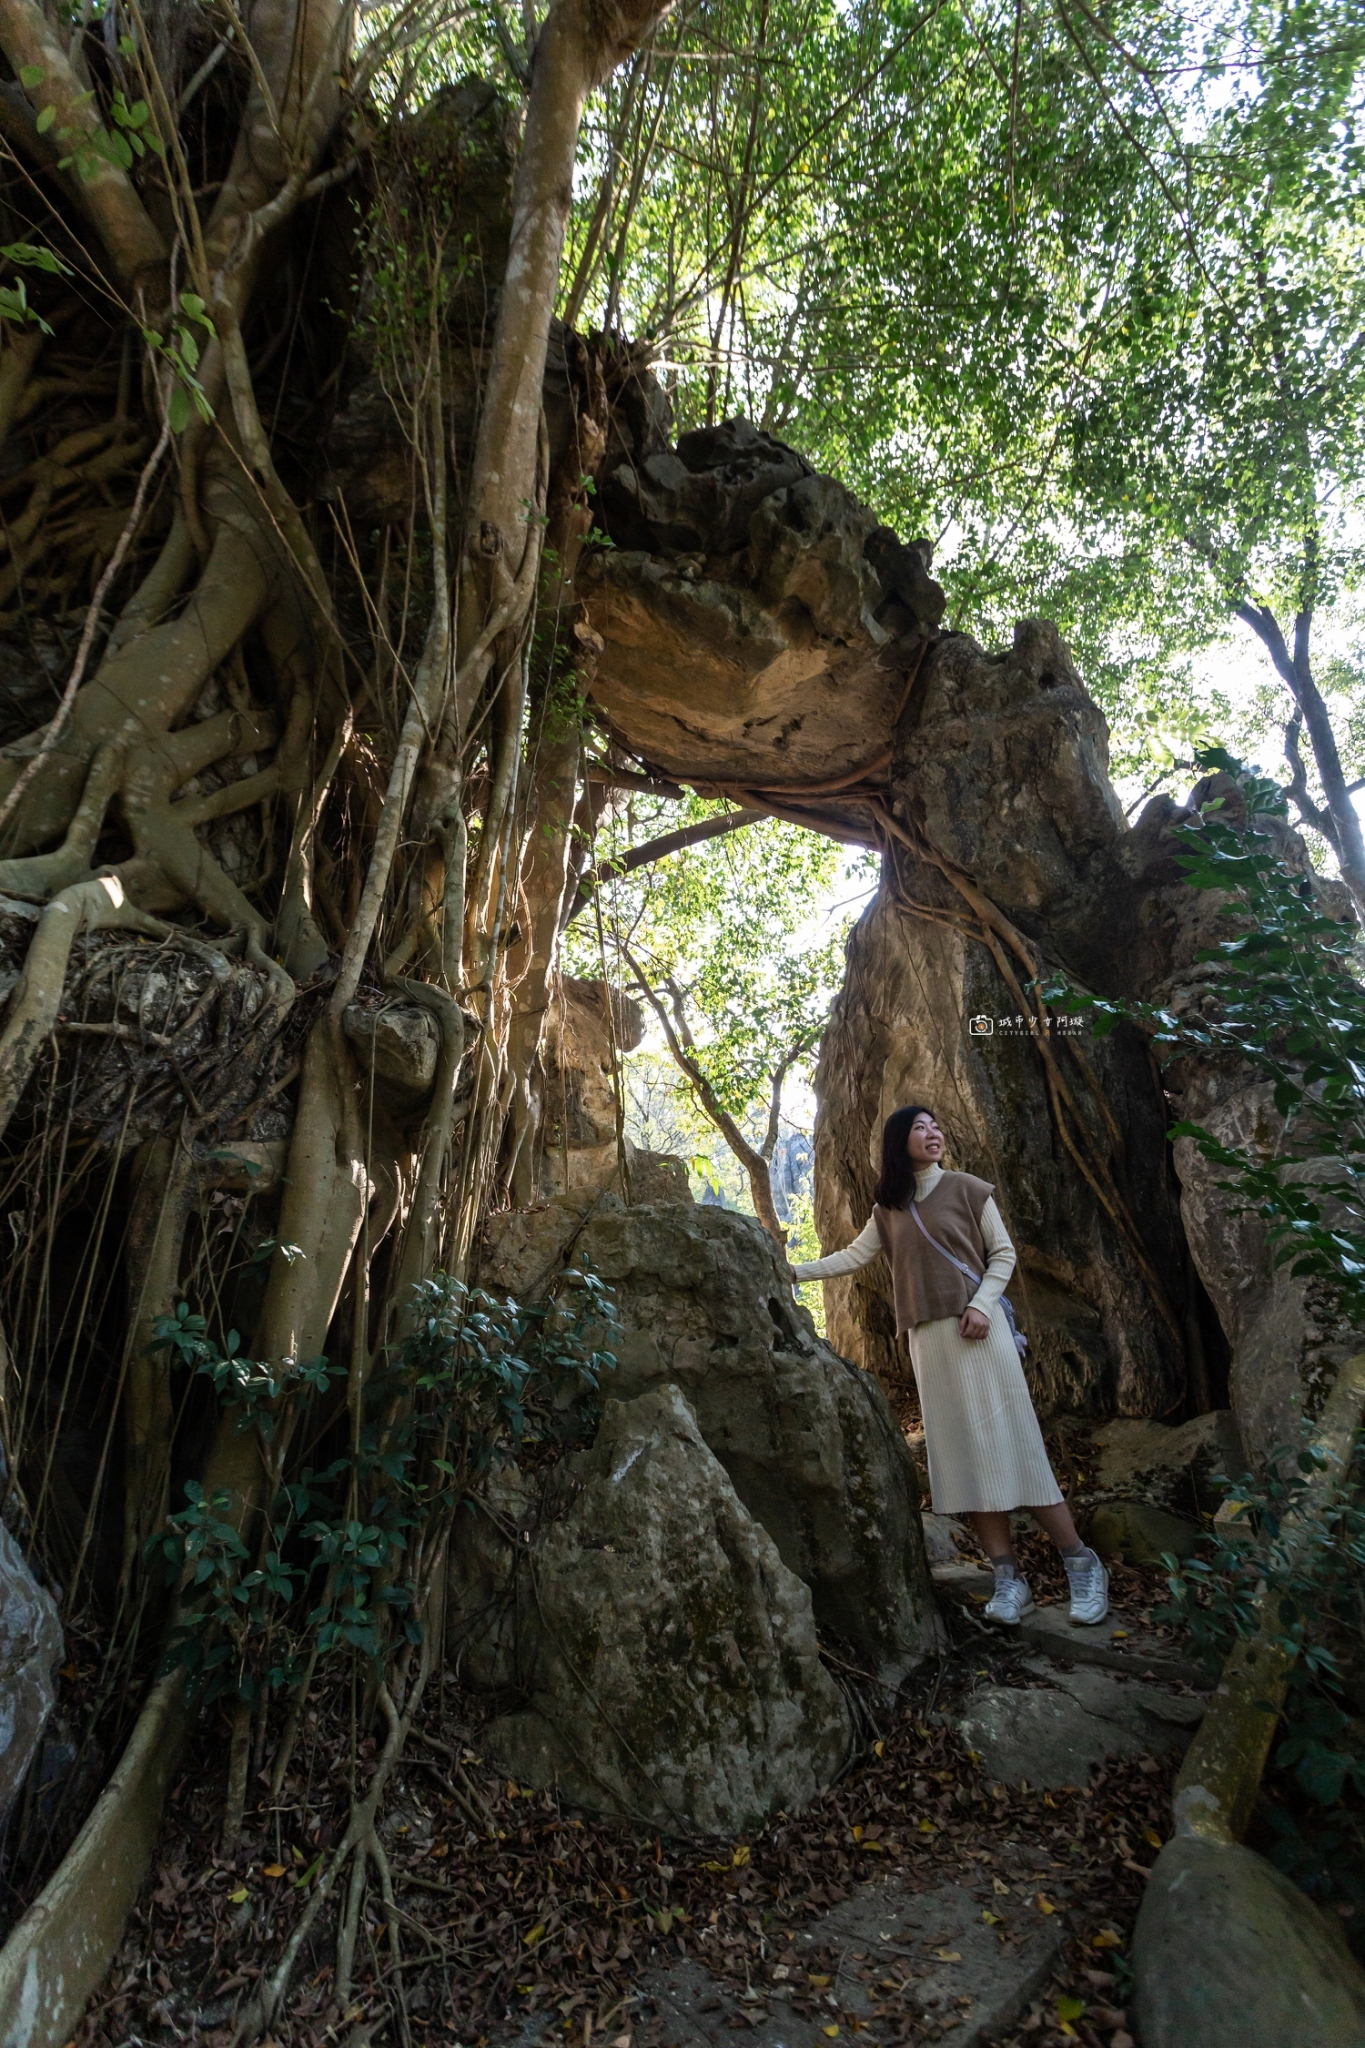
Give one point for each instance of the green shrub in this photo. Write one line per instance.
(474, 1378)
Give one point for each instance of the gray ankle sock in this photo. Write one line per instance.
(1082, 1555)
(1005, 1569)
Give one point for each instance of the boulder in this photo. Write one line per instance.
(30, 1650)
(1228, 1953)
(1172, 1466)
(1142, 1534)
(809, 1442)
(398, 1043)
(673, 1672)
(1052, 1735)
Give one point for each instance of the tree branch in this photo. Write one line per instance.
(678, 1033)
(1297, 786)
(651, 850)
(1295, 671)
(104, 191)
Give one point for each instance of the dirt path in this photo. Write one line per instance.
(922, 1897)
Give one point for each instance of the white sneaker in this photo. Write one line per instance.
(1089, 1582)
(1010, 1602)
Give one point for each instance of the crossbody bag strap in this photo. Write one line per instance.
(975, 1278)
(1020, 1340)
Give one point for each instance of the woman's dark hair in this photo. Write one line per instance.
(897, 1181)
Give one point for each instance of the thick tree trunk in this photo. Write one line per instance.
(578, 46)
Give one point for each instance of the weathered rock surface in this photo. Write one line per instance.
(397, 1043)
(30, 1650)
(1140, 1533)
(1173, 1467)
(579, 1156)
(1002, 765)
(1053, 1735)
(758, 624)
(674, 1676)
(1288, 1335)
(1229, 1953)
(1118, 1643)
(965, 1972)
(808, 1441)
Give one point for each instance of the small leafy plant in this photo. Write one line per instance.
(1315, 1589)
(474, 1378)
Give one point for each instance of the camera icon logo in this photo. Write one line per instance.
(981, 1027)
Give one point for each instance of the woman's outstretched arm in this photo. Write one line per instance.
(861, 1252)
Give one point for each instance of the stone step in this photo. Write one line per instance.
(1119, 1643)
(1054, 1734)
(941, 1960)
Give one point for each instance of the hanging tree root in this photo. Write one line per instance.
(359, 1843)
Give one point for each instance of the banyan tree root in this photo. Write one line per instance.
(93, 906)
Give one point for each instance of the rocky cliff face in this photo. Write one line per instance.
(1000, 776)
(762, 636)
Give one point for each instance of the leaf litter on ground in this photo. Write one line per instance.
(512, 1907)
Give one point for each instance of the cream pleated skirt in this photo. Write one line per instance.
(984, 1445)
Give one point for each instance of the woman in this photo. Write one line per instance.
(950, 1259)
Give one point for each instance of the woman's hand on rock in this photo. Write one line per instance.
(973, 1323)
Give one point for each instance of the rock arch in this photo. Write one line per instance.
(763, 637)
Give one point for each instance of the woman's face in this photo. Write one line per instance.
(925, 1142)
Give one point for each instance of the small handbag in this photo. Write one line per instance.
(1020, 1340)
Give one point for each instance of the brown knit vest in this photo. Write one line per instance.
(926, 1286)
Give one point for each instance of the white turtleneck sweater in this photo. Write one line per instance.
(867, 1244)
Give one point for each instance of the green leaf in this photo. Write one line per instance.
(36, 258)
(179, 408)
(46, 119)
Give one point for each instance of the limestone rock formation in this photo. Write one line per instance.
(808, 1441)
(588, 1027)
(1288, 1335)
(579, 1134)
(763, 637)
(1001, 775)
(758, 625)
(673, 1670)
